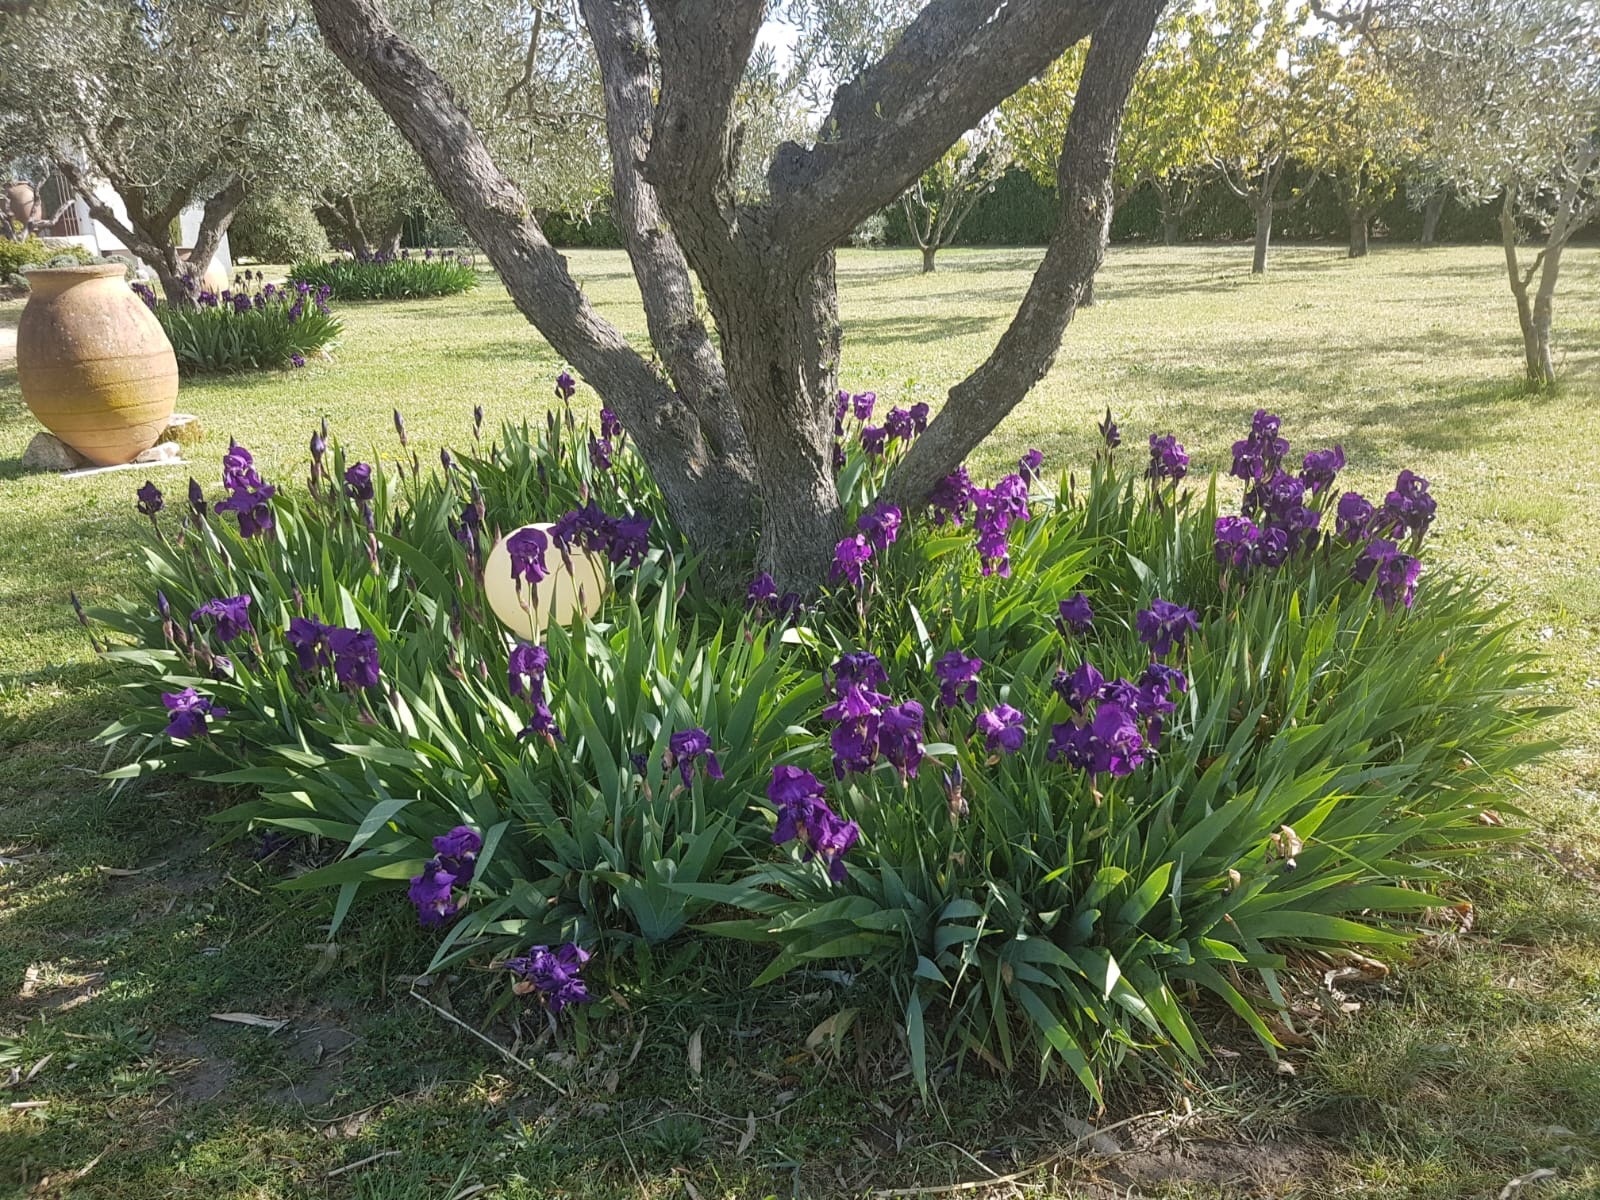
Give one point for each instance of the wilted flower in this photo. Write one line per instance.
(149, 503)
(1002, 727)
(958, 678)
(803, 814)
(554, 974)
(197, 498)
(686, 747)
(231, 614)
(1164, 625)
(191, 713)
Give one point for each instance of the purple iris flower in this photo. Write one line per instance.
(458, 850)
(919, 417)
(1321, 467)
(600, 453)
(880, 524)
(197, 497)
(526, 671)
(1075, 614)
(1164, 625)
(1257, 456)
(1003, 728)
(1168, 460)
(191, 713)
(1237, 542)
(566, 386)
(849, 556)
(308, 637)
(1079, 687)
(231, 614)
(355, 657)
(433, 893)
(874, 439)
(994, 511)
(900, 737)
(149, 500)
(863, 404)
(951, 497)
(527, 548)
(610, 427)
(958, 678)
(686, 747)
(1396, 572)
(804, 815)
(1028, 465)
(900, 425)
(554, 974)
(855, 745)
(1408, 508)
(358, 481)
(762, 592)
(1354, 516)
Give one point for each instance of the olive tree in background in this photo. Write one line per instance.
(1509, 96)
(738, 430)
(172, 105)
(945, 194)
(1161, 143)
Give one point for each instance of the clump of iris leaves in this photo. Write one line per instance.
(402, 276)
(1334, 760)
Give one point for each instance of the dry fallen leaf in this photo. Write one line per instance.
(1514, 1187)
(696, 1054)
(271, 1024)
(749, 1134)
(124, 872)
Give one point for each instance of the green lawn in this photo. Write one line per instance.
(122, 929)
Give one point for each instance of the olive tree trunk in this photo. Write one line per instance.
(1359, 222)
(1432, 210)
(1263, 209)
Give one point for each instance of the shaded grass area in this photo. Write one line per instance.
(1477, 1061)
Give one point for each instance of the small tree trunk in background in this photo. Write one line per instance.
(390, 244)
(1432, 210)
(928, 265)
(1263, 236)
(1358, 234)
(1171, 229)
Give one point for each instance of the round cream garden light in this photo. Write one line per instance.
(527, 608)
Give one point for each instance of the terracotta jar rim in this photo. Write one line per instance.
(82, 271)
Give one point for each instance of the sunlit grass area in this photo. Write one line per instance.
(123, 928)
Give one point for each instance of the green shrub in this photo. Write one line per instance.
(254, 326)
(383, 278)
(276, 229)
(35, 252)
(1302, 768)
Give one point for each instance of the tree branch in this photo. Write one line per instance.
(1024, 353)
(214, 221)
(698, 478)
(952, 65)
(616, 28)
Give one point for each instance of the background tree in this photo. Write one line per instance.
(946, 193)
(1510, 97)
(1267, 75)
(1161, 143)
(1369, 135)
(173, 105)
(739, 431)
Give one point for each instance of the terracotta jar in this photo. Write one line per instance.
(94, 364)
